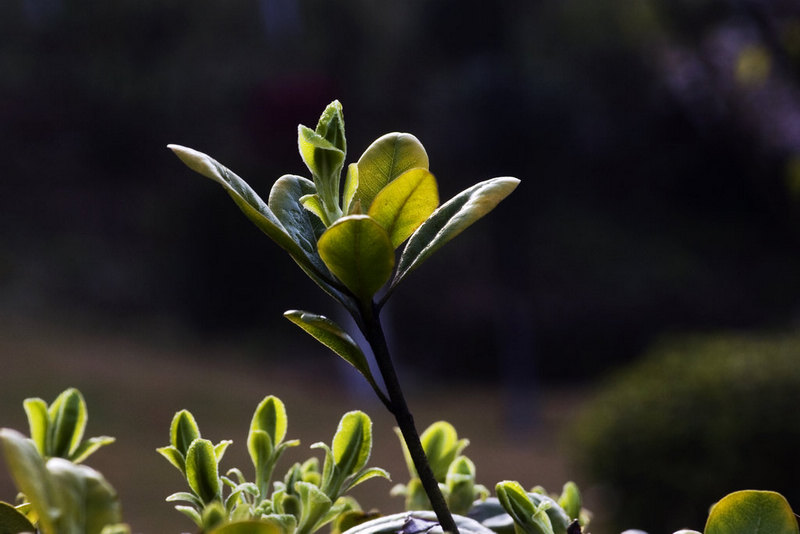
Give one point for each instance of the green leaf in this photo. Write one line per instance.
(352, 443)
(528, 518)
(220, 448)
(191, 513)
(405, 203)
(449, 220)
(173, 456)
(384, 160)
(366, 474)
(12, 521)
(753, 512)
(359, 252)
(101, 507)
(270, 416)
(86, 448)
(314, 204)
(248, 201)
(314, 505)
(185, 496)
(325, 161)
(335, 338)
(38, 422)
(201, 470)
(441, 444)
(68, 418)
(31, 477)
(183, 431)
(350, 188)
(331, 125)
(570, 500)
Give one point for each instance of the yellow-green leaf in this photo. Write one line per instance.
(450, 219)
(201, 470)
(384, 160)
(68, 418)
(753, 512)
(350, 188)
(335, 338)
(12, 521)
(405, 203)
(357, 250)
(38, 422)
(270, 416)
(352, 443)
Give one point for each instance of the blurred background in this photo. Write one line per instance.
(649, 255)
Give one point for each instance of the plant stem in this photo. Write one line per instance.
(373, 332)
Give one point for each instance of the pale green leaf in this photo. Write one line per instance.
(314, 204)
(86, 448)
(68, 418)
(335, 338)
(331, 126)
(191, 513)
(358, 251)
(173, 456)
(185, 496)
(183, 431)
(753, 512)
(405, 203)
(352, 443)
(441, 444)
(220, 448)
(366, 474)
(350, 187)
(201, 470)
(528, 517)
(385, 159)
(570, 500)
(38, 422)
(270, 416)
(450, 219)
(314, 505)
(325, 161)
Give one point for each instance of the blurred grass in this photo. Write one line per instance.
(135, 380)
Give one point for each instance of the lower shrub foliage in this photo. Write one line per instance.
(699, 416)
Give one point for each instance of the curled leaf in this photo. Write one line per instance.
(385, 159)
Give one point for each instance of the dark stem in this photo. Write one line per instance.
(373, 332)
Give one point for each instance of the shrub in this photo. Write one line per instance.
(698, 417)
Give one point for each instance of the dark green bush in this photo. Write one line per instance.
(696, 418)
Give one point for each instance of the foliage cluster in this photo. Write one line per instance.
(699, 416)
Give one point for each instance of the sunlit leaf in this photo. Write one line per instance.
(367, 474)
(331, 126)
(450, 219)
(358, 251)
(352, 443)
(68, 418)
(251, 526)
(350, 187)
(384, 160)
(570, 500)
(442, 446)
(325, 162)
(183, 431)
(335, 338)
(201, 470)
(753, 512)
(270, 416)
(405, 203)
(173, 456)
(38, 422)
(86, 448)
(314, 505)
(314, 204)
(528, 517)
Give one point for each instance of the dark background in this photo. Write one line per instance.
(658, 144)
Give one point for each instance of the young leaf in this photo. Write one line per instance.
(364, 475)
(405, 203)
(529, 518)
(350, 187)
(352, 443)
(325, 162)
(314, 204)
(38, 422)
(183, 431)
(68, 418)
(88, 447)
(441, 444)
(570, 500)
(314, 505)
(173, 456)
(358, 251)
(384, 160)
(270, 416)
(450, 219)
(201, 470)
(251, 526)
(335, 338)
(752, 512)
